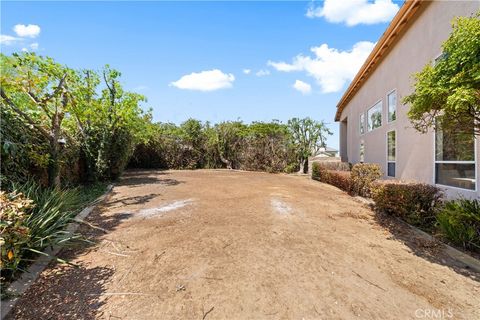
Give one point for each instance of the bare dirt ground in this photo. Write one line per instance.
(215, 244)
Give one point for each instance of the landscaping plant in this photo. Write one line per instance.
(339, 178)
(416, 203)
(450, 86)
(14, 234)
(363, 176)
(459, 222)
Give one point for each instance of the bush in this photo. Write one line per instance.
(333, 165)
(51, 213)
(318, 172)
(415, 203)
(363, 176)
(339, 179)
(14, 235)
(459, 222)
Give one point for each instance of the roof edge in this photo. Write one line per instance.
(386, 41)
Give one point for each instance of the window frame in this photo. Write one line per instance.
(360, 158)
(381, 118)
(362, 123)
(435, 161)
(388, 105)
(387, 161)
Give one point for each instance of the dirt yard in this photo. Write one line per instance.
(215, 244)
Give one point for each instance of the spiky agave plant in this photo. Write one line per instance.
(53, 209)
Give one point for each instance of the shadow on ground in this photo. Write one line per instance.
(133, 200)
(133, 178)
(431, 250)
(66, 292)
(72, 291)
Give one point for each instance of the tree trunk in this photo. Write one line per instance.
(303, 166)
(302, 163)
(55, 149)
(54, 164)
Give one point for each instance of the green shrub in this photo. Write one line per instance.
(459, 222)
(53, 209)
(363, 175)
(415, 203)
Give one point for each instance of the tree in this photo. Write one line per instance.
(308, 136)
(115, 123)
(450, 87)
(36, 89)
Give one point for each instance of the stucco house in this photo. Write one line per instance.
(374, 126)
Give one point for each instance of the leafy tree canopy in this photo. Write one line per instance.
(451, 85)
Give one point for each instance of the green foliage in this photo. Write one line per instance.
(59, 118)
(363, 176)
(33, 217)
(52, 211)
(459, 222)
(451, 86)
(262, 146)
(36, 89)
(415, 203)
(308, 136)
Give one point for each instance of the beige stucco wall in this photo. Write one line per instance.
(420, 44)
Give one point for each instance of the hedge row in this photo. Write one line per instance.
(416, 203)
(419, 204)
(356, 182)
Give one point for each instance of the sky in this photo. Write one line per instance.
(213, 61)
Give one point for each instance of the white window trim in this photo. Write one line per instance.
(387, 162)
(396, 105)
(364, 124)
(362, 142)
(475, 142)
(366, 115)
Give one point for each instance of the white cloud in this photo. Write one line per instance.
(8, 40)
(24, 50)
(34, 46)
(246, 71)
(30, 31)
(303, 87)
(262, 73)
(353, 12)
(330, 67)
(205, 81)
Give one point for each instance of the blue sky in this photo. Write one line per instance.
(158, 45)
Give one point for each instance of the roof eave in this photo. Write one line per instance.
(386, 41)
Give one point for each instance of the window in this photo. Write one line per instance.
(392, 106)
(374, 116)
(454, 158)
(391, 153)
(440, 57)
(362, 123)
(362, 151)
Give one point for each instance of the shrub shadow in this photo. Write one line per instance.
(431, 250)
(134, 178)
(65, 292)
(133, 200)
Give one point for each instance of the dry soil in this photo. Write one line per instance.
(215, 244)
